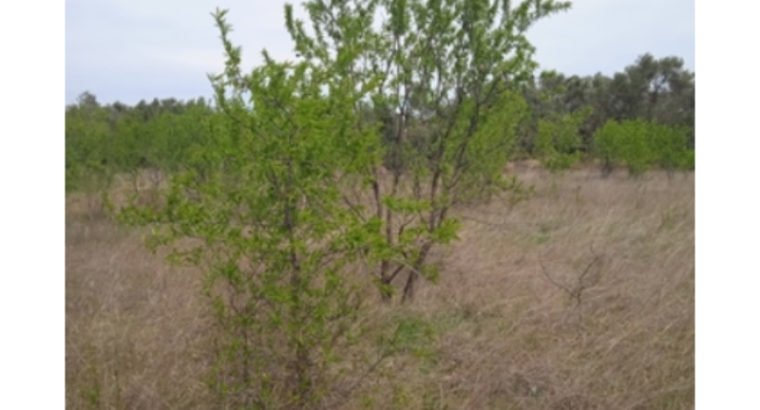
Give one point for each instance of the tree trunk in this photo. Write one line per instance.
(409, 287)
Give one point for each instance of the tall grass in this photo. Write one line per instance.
(497, 331)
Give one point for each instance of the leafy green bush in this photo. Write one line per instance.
(263, 217)
(670, 146)
(641, 145)
(559, 141)
(441, 81)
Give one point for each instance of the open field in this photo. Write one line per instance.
(579, 297)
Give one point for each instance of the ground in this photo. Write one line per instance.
(579, 296)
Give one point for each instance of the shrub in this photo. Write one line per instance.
(559, 140)
(640, 145)
(442, 80)
(261, 216)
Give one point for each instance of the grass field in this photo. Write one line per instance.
(581, 296)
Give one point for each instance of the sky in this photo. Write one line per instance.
(126, 51)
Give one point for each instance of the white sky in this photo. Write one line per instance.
(141, 49)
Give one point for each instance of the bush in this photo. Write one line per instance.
(559, 140)
(261, 216)
(640, 145)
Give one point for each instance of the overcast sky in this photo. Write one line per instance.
(128, 50)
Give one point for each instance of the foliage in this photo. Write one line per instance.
(442, 78)
(102, 141)
(658, 90)
(263, 217)
(640, 145)
(165, 135)
(558, 142)
(87, 135)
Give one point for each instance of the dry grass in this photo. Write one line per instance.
(135, 327)
(505, 334)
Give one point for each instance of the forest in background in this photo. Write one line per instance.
(641, 117)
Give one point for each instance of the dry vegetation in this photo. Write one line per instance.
(579, 297)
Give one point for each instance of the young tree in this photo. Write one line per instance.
(260, 213)
(624, 143)
(641, 144)
(559, 142)
(441, 77)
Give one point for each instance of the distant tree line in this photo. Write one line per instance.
(649, 105)
(104, 140)
(643, 114)
(660, 91)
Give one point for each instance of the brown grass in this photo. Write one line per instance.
(506, 333)
(135, 326)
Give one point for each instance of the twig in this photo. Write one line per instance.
(575, 293)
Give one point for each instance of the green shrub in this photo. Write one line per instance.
(558, 141)
(640, 145)
(259, 211)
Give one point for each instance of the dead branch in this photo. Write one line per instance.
(582, 282)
